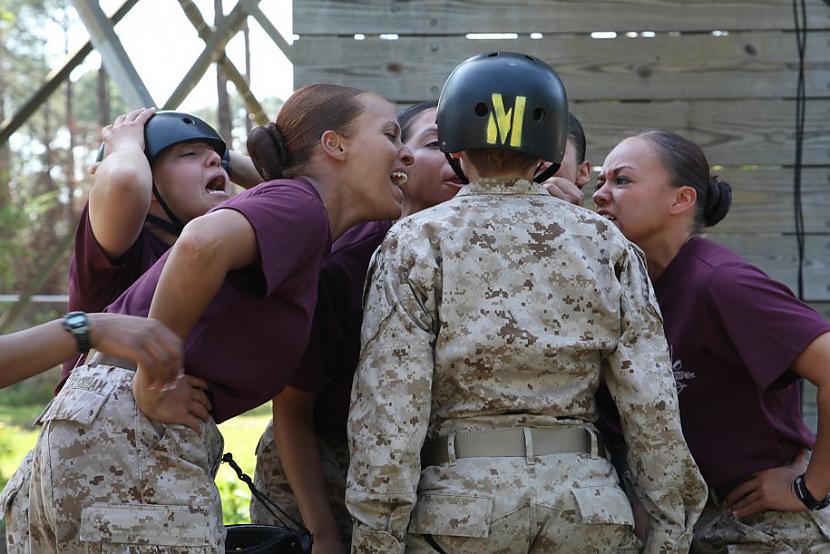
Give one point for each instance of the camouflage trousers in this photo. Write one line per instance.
(718, 531)
(271, 480)
(568, 503)
(15, 503)
(105, 478)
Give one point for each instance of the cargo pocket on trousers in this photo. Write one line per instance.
(110, 527)
(608, 505)
(78, 405)
(452, 515)
(20, 478)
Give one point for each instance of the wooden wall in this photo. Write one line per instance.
(732, 92)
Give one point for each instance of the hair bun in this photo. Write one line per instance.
(718, 201)
(266, 148)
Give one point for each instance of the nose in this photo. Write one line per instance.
(600, 196)
(406, 155)
(213, 159)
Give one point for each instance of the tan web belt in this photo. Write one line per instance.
(97, 358)
(517, 442)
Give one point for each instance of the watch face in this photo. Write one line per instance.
(76, 321)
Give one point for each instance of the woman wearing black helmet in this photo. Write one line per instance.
(488, 321)
(161, 170)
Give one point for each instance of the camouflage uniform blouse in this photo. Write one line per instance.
(501, 308)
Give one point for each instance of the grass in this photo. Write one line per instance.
(241, 434)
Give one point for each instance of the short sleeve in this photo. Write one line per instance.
(767, 325)
(291, 227)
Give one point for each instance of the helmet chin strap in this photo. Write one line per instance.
(174, 226)
(456, 167)
(547, 174)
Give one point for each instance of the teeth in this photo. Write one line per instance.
(399, 178)
(609, 217)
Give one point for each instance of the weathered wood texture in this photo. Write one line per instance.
(740, 65)
(776, 255)
(436, 17)
(730, 93)
(732, 132)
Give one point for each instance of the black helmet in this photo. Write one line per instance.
(167, 128)
(508, 101)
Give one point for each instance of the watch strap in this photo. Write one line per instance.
(806, 497)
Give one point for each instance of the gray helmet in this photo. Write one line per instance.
(504, 100)
(167, 128)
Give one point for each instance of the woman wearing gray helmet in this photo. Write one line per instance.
(488, 321)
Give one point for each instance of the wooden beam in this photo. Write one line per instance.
(227, 67)
(740, 65)
(116, 60)
(252, 8)
(54, 80)
(452, 17)
(214, 48)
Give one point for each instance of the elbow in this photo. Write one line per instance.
(199, 246)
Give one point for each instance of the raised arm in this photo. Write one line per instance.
(242, 170)
(122, 189)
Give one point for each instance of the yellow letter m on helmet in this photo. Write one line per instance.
(501, 123)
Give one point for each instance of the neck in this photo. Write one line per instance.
(342, 213)
(661, 248)
(165, 236)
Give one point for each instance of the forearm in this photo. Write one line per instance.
(27, 353)
(300, 458)
(818, 472)
(242, 171)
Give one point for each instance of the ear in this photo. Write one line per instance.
(583, 174)
(334, 145)
(684, 200)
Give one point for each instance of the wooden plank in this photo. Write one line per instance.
(776, 255)
(732, 132)
(740, 65)
(762, 200)
(431, 17)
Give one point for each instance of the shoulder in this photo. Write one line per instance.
(291, 200)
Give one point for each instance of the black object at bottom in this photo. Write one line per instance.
(255, 539)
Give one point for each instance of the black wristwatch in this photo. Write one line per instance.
(77, 323)
(806, 497)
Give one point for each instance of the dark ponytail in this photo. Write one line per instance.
(717, 202)
(267, 151)
(687, 166)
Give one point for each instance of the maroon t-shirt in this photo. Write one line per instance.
(250, 338)
(329, 363)
(95, 281)
(733, 335)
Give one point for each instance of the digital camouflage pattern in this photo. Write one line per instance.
(271, 480)
(501, 308)
(106, 478)
(719, 532)
(15, 503)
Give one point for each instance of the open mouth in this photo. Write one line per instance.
(398, 178)
(608, 216)
(216, 185)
